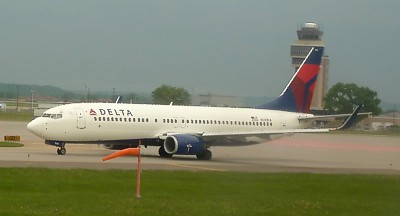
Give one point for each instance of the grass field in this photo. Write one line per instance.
(16, 116)
(10, 144)
(35, 191)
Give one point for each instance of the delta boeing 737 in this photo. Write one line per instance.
(185, 130)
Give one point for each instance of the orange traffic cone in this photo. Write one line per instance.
(124, 152)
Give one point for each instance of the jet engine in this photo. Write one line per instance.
(184, 144)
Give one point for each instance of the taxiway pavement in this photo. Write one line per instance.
(316, 153)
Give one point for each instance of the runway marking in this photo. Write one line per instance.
(196, 167)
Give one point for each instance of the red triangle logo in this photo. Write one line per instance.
(92, 112)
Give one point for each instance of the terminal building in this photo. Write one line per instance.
(309, 36)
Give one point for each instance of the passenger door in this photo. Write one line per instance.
(80, 118)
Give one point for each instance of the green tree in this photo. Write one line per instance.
(166, 94)
(343, 97)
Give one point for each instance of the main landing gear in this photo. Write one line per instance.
(204, 155)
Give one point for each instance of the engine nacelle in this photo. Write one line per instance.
(184, 144)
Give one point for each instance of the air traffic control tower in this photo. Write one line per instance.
(309, 36)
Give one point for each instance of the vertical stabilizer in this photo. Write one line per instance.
(297, 95)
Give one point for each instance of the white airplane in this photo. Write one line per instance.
(185, 130)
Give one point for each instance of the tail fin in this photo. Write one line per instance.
(297, 95)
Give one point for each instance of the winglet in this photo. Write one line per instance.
(350, 120)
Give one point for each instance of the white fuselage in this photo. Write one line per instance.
(91, 122)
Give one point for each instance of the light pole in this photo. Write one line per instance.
(32, 99)
(113, 95)
(17, 97)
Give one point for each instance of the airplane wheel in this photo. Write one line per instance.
(205, 155)
(163, 153)
(61, 151)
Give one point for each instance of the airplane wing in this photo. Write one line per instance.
(332, 117)
(329, 117)
(346, 124)
(248, 138)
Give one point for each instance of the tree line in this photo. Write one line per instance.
(341, 97)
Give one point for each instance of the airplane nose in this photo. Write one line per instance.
(35, 127)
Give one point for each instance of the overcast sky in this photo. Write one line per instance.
(225, 47)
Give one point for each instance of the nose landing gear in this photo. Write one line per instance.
(61, 151)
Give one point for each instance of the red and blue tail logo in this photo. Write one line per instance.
(297, 95)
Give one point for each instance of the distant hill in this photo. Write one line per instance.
(52, 93)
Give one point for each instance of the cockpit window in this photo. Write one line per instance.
(53, 116)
